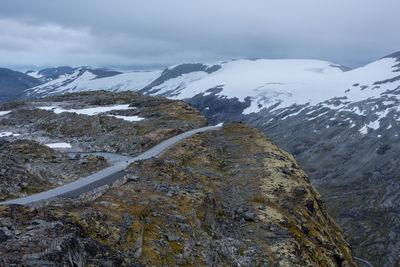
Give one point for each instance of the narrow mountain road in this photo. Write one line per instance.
(103, 177)
(364, 262)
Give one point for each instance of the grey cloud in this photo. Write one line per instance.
(150, 32)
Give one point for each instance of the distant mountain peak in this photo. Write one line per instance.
(394, 55)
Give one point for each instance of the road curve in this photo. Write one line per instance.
(367, 263)
(105, 176)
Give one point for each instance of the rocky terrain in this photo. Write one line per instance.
(100, 121)
(29, 128)
(28, 167)
(222, 198)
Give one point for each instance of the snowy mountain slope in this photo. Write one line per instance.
(266, 83)
(49, 74)
(91, 80)
(282, 83)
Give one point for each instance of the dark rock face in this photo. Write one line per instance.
(233, 206)
(177, 71)
(219, 109)
(13, 83)
(3, 236)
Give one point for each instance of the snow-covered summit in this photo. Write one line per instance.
(264, 83)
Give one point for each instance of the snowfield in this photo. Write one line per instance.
(128, 118)
(96, 110)
(87, 111)
(285, 82)
(268, 83)
(59, 145)
(5, 134)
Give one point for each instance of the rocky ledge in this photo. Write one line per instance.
(28, 167)
(128, 130)
(222, 198)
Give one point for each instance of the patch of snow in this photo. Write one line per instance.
(322, 114)
(374, 125)
(293, 114)
(88, 111)
(35, 74)
(128, 118)
(388, 103)
(59, 145)
(5, 134)
(4, 112)
(364, 130)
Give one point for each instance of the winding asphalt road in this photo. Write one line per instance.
(105, 176)
(365, 262)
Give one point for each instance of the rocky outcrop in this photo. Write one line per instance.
(162, 119)
(28, 167)
(222, 198)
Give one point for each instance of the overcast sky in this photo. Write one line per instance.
(161, 32)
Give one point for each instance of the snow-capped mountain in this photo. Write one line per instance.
(342, 125)
(261, 83)
(86, 79)
(48, 74)
(60, 77)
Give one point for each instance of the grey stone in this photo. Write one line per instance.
(172, 237)
(3, 236)
(249, 216)
(128, 219)
(177, 218)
